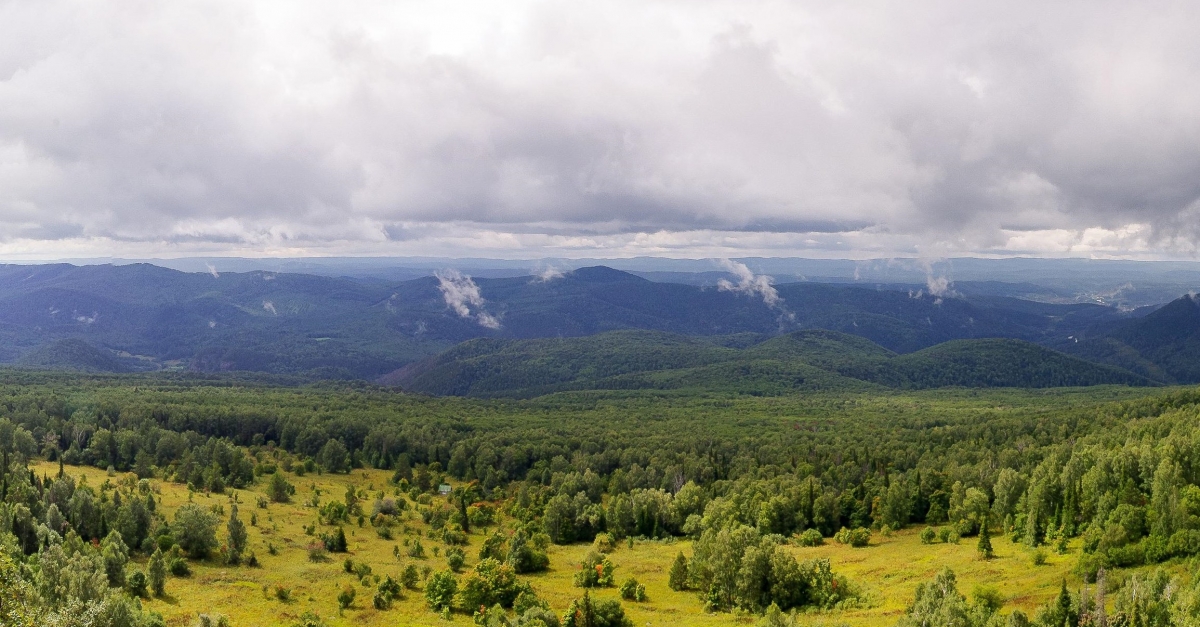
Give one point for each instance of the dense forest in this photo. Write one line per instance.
(1115, 470)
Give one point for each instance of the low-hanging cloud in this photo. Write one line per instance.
(631, 127)
(749, 283)
(461, 294)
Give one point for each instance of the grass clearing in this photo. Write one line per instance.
(890, 568)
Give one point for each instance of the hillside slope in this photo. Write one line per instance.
(1163, 345)
(803, 360)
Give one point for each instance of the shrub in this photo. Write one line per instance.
(527, 553)
(631, 590)
(585, 612)
(604, 543)
(857, 537)
(491, 583)
(345, 598)
(440, 591)
(1038, 557)
(136, 584)
(335, 542)
(410, 577)
(283, 594)
(416, 550)
(455, 558)
(594, 572)
(811, 537)
(387, 592)
(317, 553)
(928, 535)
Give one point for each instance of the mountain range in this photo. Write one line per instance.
(143, 317)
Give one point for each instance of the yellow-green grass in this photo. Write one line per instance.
(889, 569)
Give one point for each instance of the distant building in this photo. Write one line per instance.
(444, 489)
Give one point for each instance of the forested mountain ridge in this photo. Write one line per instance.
(1163, 345)
(801, 360)
(147, 317)
(325, 327)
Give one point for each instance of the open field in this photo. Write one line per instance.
(890, 568)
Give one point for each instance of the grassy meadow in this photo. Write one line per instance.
(889, 569)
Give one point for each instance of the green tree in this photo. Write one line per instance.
(115, 555)
(278, 489)
(157, 569)
(334, 457)
(195, 530)
(677, 578)
(985, 540)
(440, 590)
(235, 536)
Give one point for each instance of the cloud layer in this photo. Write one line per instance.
(620, 128)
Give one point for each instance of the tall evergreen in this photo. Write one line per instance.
(985, 540)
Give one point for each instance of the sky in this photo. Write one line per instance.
(697, 128)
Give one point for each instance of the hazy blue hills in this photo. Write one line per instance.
(798, 361)
(338, 327)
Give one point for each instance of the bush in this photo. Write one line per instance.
(176, 564)
(604, 543)
(928, 535)
(631, 590)
(455, 558)
(416, 550)
(857, 537)
(594, 572)
(1038, 557)
(317, 553)
(409, 577)
(491, 583)
(527, 553)
(440, 591)
(585, 612)
(345, 598)
(335, 542)
(388, 591)
(810, 537)
(136, 584)
(283, 594)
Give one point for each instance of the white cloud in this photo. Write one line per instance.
(270, 306)
(461, 294)
(548, 274)
(749, 283)
(212, 270)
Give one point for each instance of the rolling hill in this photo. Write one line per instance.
(794, 362)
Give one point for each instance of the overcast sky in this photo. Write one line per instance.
(688, 129)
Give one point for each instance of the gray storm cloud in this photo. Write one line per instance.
(635, 128)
